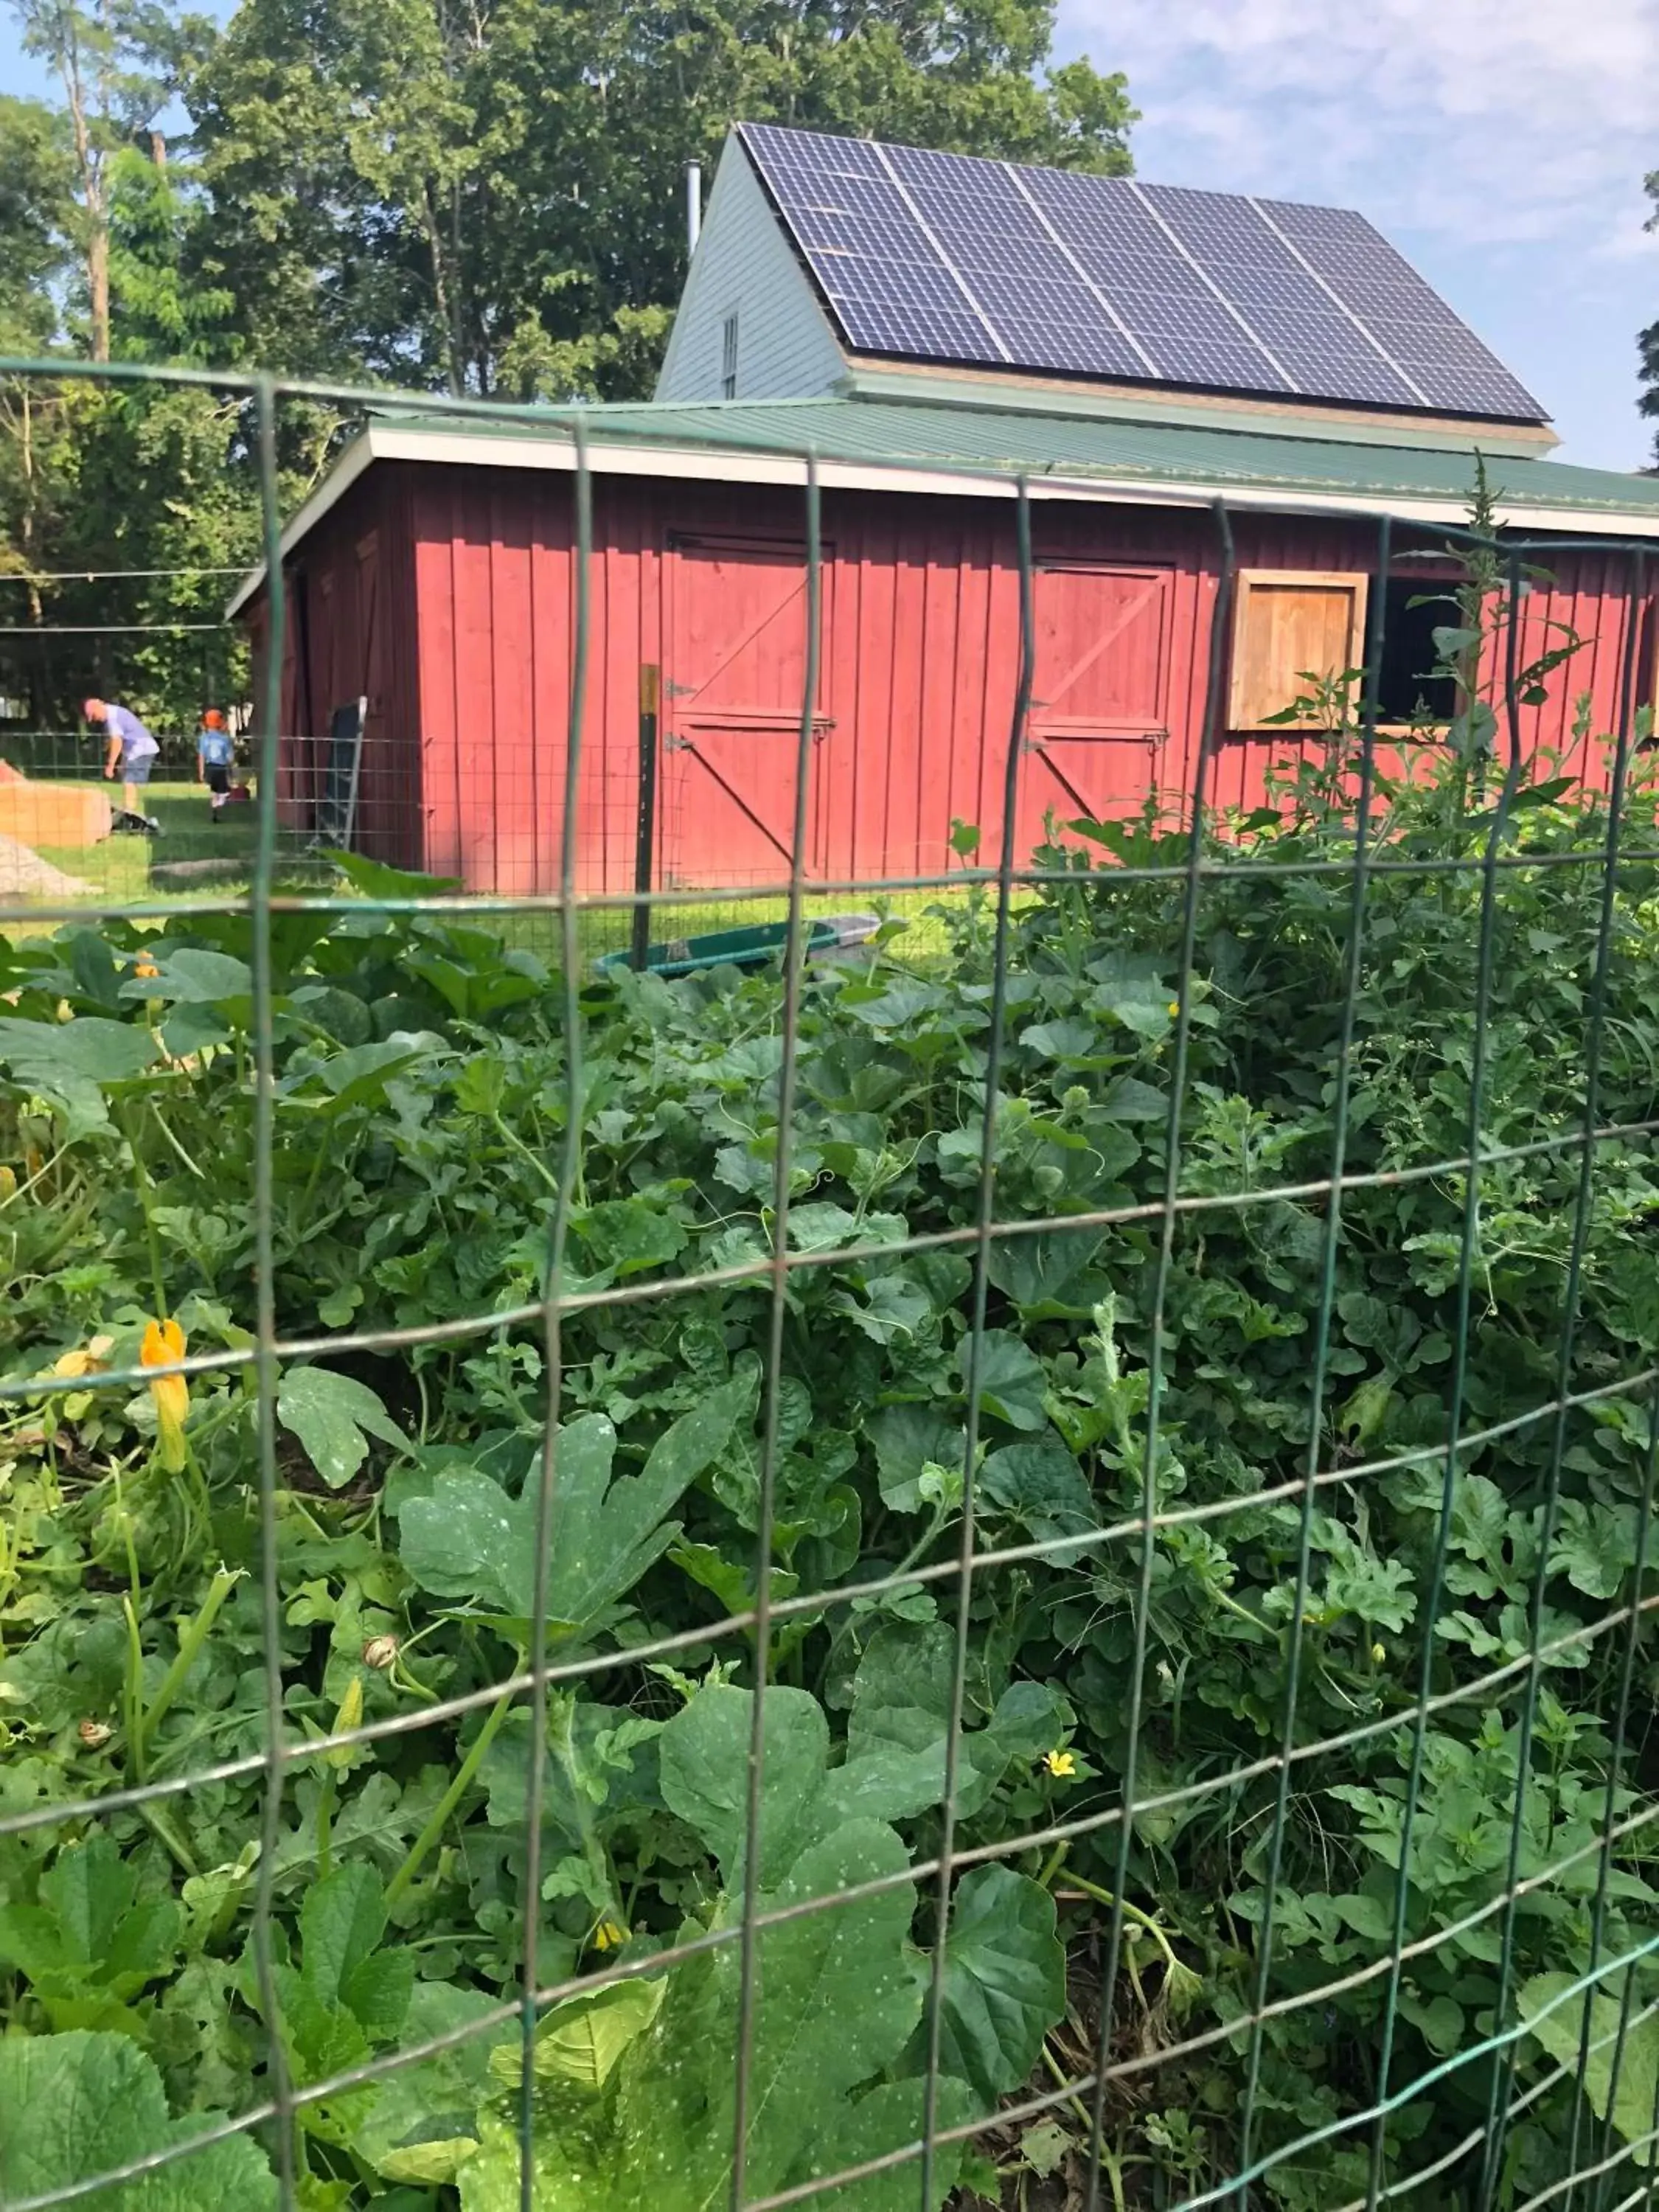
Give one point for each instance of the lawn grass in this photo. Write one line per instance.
(610, 929)
(118, 872)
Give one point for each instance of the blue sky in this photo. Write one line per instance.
(1500, 144)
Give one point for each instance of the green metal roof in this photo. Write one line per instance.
(922, 434)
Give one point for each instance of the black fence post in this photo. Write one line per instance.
(645, 835)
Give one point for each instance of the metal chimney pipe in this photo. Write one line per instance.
(693, 205)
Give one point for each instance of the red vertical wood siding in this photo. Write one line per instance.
(472, 657)
(348, 632)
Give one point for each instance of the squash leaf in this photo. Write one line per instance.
(96, 2102)
(1004, 1984)
(70, 1064)
(468, 1540)
(333, 1416)
(1559, 2029)
(840, 1995)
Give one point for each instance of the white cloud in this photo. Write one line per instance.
(1504, 120)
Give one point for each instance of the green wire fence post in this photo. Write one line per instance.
(1352, 963)
(570, 1153)
(1192, 884)
(749, 1993)
(264, 411)
(979, 1293)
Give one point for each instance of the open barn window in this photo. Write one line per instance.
(1407, 687)
(1294, 629)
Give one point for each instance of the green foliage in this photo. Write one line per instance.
(393, 185)
(35, 201)
(96, 478)
(93, 2102)
(466, 1539)
(419, 1128)
(635, 2087)
(1611, 2032)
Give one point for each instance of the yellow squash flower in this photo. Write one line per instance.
(85, 1359)
(350, 1716)
(1061, 1764)
(608, 1934)
(163, 1344)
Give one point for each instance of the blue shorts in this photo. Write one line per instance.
(136, 767)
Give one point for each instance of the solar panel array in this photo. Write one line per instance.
(947, 256)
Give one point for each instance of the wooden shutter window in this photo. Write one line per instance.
(1286, 621)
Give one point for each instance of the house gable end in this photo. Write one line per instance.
(749, 312)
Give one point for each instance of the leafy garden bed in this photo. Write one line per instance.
(419, 1128)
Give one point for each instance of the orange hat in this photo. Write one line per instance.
(213, 719)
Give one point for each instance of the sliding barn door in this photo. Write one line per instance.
(734, 666)
(1099, 693)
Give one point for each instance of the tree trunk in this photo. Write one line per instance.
(98, 284)
(453, 355)
(89, 164)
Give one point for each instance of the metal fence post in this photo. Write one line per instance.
(645, 834)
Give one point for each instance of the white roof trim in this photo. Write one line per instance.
(384, 442)
(339, 480)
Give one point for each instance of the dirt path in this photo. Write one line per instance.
(24, 874)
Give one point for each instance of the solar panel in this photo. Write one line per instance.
(947, 256)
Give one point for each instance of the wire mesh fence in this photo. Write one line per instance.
(1014, 1566)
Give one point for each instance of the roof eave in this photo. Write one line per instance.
(718, 463)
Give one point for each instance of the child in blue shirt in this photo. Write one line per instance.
(214, 756)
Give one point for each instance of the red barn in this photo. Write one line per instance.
(432, 574)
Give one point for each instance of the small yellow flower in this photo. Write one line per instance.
(143, 965)
(163, 1344)
(85, 1359)
(8, 1184)
(1061, 1764)
(1379, 1653)
(608, 1934)
(1174, 1010)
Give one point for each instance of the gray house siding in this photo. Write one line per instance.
(743, 265)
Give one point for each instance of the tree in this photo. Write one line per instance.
(36, 212)
(160, 309)
(118, 62)
(486, 193)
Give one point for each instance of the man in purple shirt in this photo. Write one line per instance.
(131, 749)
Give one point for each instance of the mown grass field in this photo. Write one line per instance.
(124, 872)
